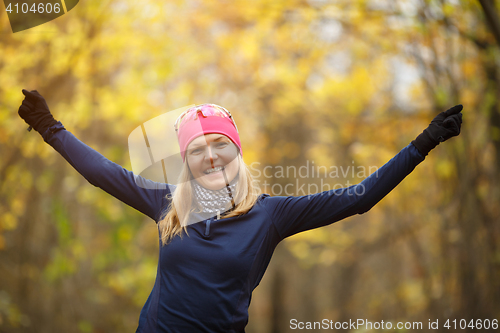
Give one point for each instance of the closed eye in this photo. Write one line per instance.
(222, 144)
(195, 151)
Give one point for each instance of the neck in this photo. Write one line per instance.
(213, 201)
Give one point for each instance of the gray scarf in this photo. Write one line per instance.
(212, 201)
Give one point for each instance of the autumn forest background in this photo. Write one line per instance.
(340, 83)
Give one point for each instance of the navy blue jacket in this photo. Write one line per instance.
(204, 281)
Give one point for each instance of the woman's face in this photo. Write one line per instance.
(210, 156)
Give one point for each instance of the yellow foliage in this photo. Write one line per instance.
(125, 234)
(445, 168)
(8, 221)
(299, 249)
(412, 293)
(78, 250)
(18, 205)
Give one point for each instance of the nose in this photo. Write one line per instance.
(211, 155)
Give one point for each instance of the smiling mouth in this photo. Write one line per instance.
(212, 170)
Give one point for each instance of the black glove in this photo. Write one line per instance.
(35, 111)
(444, 126)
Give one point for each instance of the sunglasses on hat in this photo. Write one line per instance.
(207, 110)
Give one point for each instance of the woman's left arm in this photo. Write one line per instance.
(292, 215)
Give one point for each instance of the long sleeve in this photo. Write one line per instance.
(292, 215)
(146, 196)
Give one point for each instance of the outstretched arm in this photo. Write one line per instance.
(292, 215)
(146, 196)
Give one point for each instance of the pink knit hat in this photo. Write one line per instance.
(205, 119)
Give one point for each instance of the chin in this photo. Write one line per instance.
(213, 185)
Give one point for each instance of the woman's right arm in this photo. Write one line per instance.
(146, 196)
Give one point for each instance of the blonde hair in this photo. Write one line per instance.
(181, 201)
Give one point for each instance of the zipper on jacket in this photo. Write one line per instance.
(207, 228)
(207, 224)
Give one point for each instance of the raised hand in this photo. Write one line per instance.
(445, 125)
(35, 111)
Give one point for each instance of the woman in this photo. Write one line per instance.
(204, 281)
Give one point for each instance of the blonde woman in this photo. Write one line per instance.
(217, 233)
